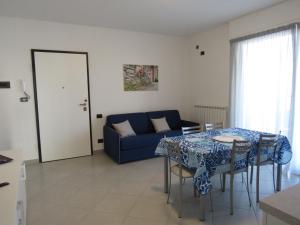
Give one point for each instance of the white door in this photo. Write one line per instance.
(63, 105)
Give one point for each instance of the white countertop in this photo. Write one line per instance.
(284, 205)
(9, 172)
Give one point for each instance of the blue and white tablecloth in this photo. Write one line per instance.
(208, 157)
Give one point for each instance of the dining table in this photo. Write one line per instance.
(206, 155)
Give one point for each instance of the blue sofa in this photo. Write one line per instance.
(142, 145)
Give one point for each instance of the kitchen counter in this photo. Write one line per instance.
(283, 206)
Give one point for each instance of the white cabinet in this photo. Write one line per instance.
(282, 208)
(13, 196)
(21, 199)
(271, 220)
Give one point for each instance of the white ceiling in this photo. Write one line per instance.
(172, 17)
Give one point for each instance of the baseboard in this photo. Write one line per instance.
(34, 161)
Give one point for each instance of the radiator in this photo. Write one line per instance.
(211, 114)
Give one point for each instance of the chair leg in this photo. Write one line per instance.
(211, 201)
(251, 174)
(195, 192)
(247, 186)
(231, 194)
(224, 182)
(274, 183)
(169, 191)
(257, 182)
(221, 181)
(180, 197)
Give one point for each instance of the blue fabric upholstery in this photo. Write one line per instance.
(138, 121)
(172, 117)
(137, 154)
(111, 143)
(140, 141)
(173, 133)
(142, 145)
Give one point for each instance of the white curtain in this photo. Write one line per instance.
(295, 164)
(262, 82)
(265, 94)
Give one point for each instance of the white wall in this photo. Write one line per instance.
(108, 50)
(210, 74)
(210, 71)
(278, 15)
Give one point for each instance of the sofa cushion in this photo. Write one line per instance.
(139, 122)
(124, 129)
(140, 141)
(160, 125)
(172, 116)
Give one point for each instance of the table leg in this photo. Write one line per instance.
(203, 199)
(279, 176)
(166, 176)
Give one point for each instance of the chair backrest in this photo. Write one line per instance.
(269, 142)
(174, 153)
(214, 126)
(191, 130)
(240, 150)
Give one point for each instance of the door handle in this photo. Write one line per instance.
(82, 104)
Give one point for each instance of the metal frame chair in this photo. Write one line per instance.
(179, 170)
(191, 130)
(240, 150)
(214, 126)
(269, 142)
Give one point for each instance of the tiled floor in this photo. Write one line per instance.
(96, 191)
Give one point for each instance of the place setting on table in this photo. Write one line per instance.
(208, 152)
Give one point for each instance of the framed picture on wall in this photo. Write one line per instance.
(140, 77)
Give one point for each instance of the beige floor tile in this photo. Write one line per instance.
(243, 220)
(57, 194)
(86, 197)
(36, 209)
(190, 214)
(102, 218)
(102, 181)
(154, 190)
(240, 216)
(113, 203)
(96, 191)
(241, 200)
(151, 209)
(129, 187)
(188, 221)
(58, 215)
(138, 221)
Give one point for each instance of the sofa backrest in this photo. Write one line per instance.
(172, 117)
(139, 121)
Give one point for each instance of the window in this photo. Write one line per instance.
(264, 86)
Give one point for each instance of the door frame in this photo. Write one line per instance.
(36, 95)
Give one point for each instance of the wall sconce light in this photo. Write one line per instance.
(27, 96)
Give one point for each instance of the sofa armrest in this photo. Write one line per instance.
(111, 143)
(185, 123)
